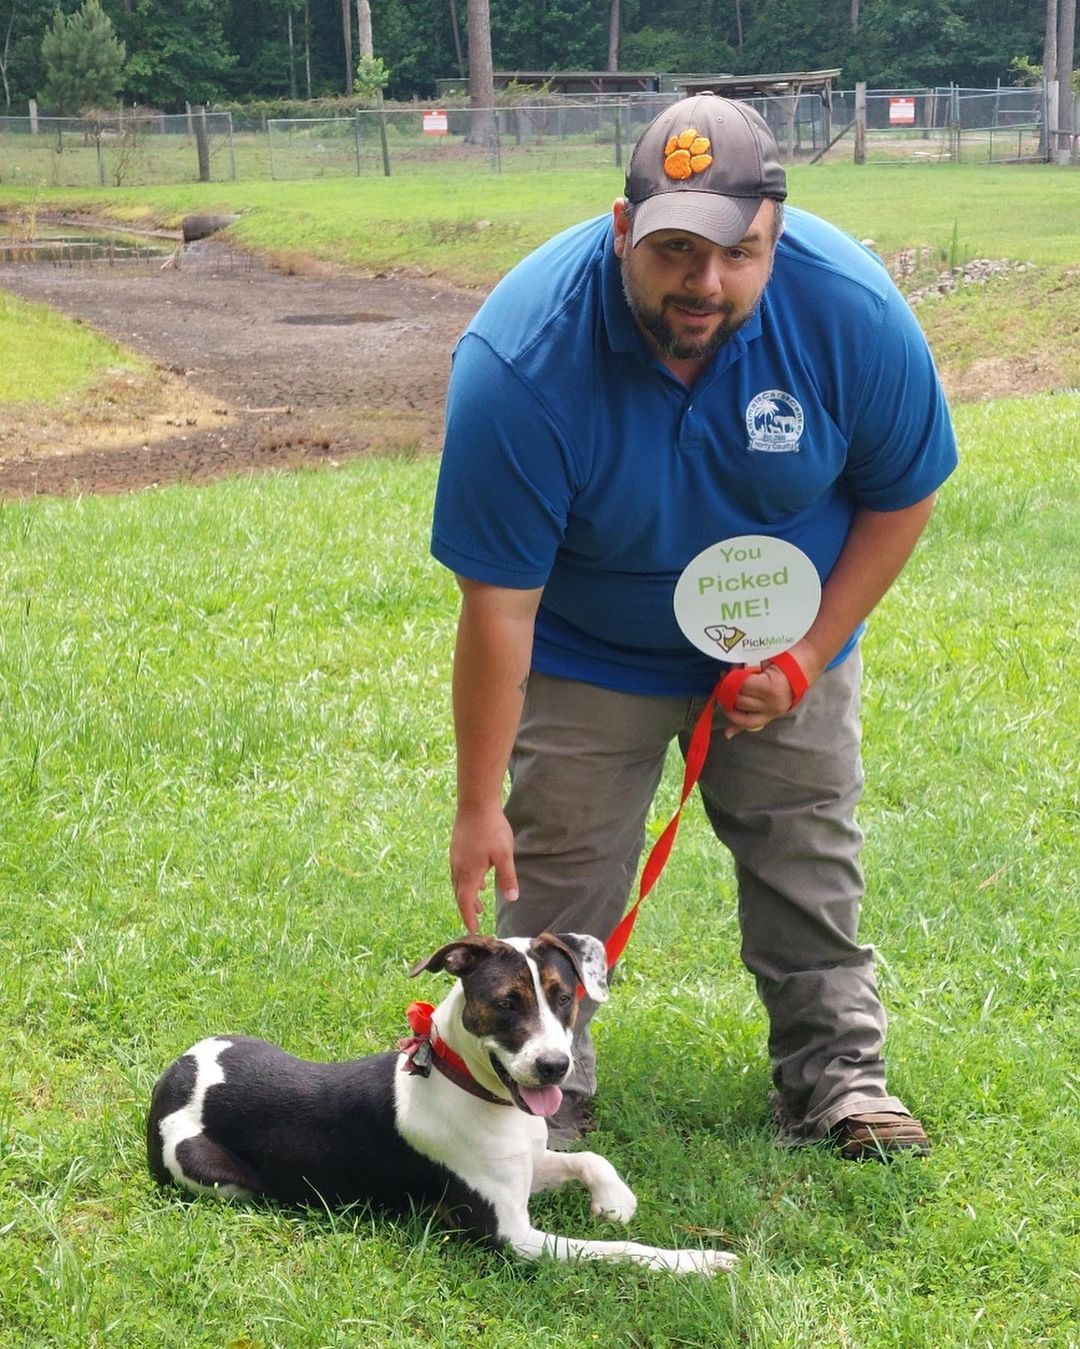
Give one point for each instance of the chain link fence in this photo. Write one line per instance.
(563, 135)
(567, 134)
(123, 149)
(949, 125)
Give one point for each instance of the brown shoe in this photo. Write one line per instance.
(878, 1136)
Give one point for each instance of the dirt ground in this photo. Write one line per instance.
(249, 369)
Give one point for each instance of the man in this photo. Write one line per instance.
(698, 367)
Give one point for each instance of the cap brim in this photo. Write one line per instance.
(721, 220)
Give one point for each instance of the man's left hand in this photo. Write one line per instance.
(767, 694)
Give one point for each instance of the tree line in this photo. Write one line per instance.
(214, 51)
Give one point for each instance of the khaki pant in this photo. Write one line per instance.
(585, 767)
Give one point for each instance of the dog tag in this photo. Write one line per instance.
(417, 1051)
(747, 598)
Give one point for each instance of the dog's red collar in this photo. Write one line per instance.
(425, 1050)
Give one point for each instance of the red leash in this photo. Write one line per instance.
(725, 693)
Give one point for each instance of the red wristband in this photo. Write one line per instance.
(792, 671)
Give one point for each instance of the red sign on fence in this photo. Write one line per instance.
(435, 122)
(901, 112)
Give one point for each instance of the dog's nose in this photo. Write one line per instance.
(551, 1067)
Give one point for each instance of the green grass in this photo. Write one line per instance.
(1022, 330)
(48, 358)
(473, 229)
(225, 795)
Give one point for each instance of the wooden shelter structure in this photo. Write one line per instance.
(596, 82)
(779, 95)
(566, 83)
(783, 90)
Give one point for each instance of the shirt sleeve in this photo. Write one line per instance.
(506, 479)
(901, 447)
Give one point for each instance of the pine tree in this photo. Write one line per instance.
(83, 59)
(481, 78)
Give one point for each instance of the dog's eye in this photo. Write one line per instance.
(565, 999)
(506, 1004)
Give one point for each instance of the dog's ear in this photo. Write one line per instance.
(589, 959)
(458, 957)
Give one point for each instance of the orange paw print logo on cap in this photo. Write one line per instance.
(686, 154)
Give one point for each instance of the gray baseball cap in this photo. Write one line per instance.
(704, 165)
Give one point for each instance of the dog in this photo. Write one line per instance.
(454, 1120)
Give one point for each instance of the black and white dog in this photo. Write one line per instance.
(237, 1117)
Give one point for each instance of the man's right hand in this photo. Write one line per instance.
(491, 669)
(481, 840)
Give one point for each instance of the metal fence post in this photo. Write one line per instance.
(232, 147)
(100, 161)
(860, 122)
(358, 136)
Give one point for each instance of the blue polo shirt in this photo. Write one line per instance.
(576, 461)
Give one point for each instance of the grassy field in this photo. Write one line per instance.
(47, 358)
(471, 229)
(225, 793)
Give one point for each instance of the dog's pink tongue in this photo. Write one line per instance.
(541, 1100)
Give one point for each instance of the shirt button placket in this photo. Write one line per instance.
(688, 430)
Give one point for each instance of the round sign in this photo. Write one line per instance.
(746, 598)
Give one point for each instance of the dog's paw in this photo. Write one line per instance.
(700, 1262)
(614, 1200)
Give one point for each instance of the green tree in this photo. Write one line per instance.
(5, 51)
(614, 34)
(371, 77)
(22, 26)
(205, 50)
(904, 44)
(271, 34)
(179, 53)
(554, 35)
(791, 35)
(481, 80)
(83, 60)
(701, 36)
(416, 43)
(674, 49)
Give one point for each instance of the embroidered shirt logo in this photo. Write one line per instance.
(774, 422)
